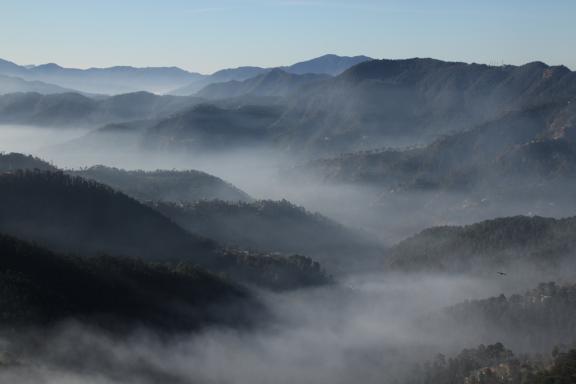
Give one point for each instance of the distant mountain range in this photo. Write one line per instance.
(15, 84)
(329, 65)
(405, 125)
(381, 103)
(414, 101)
(113, 80)
(332, 65)
(125, 79)
(274, 83)
(73, 109)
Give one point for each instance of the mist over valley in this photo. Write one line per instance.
(338, 219)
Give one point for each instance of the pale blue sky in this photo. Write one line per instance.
(204, 36)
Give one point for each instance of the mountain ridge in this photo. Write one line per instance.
(274, 83)
(125, 79)
(414, 101)
(13, 84)
(324, 65)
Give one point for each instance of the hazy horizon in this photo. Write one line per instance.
(191, 70)
(203, 36)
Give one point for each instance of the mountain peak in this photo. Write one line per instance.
(329, 64)
(386, 68)
(335, 56)
(49, 66)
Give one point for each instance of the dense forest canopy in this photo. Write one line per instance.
(494, 364)
(499, 243)
(519, 319)
(40, 288)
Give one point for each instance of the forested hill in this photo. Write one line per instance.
(10, 162)
(536, 320)
(495, 364)
(211, 127)
(532, 147)
(533, 323)
(80, 215)
(41, 288)
(76, 215)
(414, 101)
(488, 245)
(161, 185)
(278, 226)
(274, 83)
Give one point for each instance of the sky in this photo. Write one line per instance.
(204, 36)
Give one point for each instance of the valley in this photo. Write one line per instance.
(341, 219)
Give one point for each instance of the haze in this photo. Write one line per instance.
(287, 192)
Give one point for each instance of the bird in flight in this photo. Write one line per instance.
(502, 273)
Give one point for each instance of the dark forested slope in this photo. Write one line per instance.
(533, 323)
(488, 245)
(73, 214)
(40, 288)
(538, 319)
